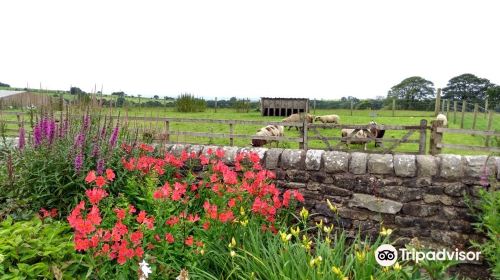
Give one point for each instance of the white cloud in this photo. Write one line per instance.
(316, 49)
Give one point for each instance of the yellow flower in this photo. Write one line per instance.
(328, 229)
(244, 222)
(360, 256)
(242, 211)
(397, 267)
(232, 253)
(202, 252)
(315, 261)
(295, 231)
(332, 207)
(285, 237)
(306, 243)
(385, 269)
(232, 244)
(337, 271)
(385, 232)
(328, 240)
(304, 213)
(320, 224)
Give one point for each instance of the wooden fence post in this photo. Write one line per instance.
(215, 105)
(423, 137)
(486, 108)
(476, 107)
(464, 106)
(304, 134)
(314, 106)
(436, 137)
(438, 102)
(393, 106)
(352, 105)
(490, 122)
(455, 105)
(231, 132)
(448, 109)
(167, 132)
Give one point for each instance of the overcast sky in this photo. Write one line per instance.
(315, 49)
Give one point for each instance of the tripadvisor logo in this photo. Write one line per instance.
(387, 255)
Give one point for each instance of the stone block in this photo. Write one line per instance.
(313, 159)
(380, 164)
(451, 166)
(405, 165)
(273, 158)
(335, 161)
(293, 159)
(476, 166)
(357, 163)
(375, 204)
(427, 166)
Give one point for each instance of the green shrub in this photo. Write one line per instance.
(38, 250)
(188, 103)
(489, 225)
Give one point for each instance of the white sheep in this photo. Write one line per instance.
(443, 118)
(270, 130)
(298, 118)
(360, 134)
(328, 119)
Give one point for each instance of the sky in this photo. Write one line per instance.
(314, 49)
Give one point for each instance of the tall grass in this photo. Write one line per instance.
(189, 103)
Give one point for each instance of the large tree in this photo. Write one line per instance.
(493, 94)
(467, 87)
(411, 91)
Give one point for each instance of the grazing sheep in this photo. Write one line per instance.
(379, 133)
(328, 119)
(270, 130)
(298, 118)
(443, 118)
(371, 132)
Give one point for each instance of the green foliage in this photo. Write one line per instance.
(411, 91)
(38, 250)
(4, 85)
(493, 94)
(242, 106)
(188, 103)
(467, 87)
(489, 225)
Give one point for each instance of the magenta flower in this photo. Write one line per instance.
(22, 140)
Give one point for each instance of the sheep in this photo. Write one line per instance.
(298, 118)
(443, 118)
(328, 119)
(378, 133)
(361, 134)
(270, 130)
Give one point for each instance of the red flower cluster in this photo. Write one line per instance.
(44, 213)
(228, 196)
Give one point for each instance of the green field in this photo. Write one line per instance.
(359, 117)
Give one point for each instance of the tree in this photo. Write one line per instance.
(4, 85)
(119, 93)
(493, 94)
(412, 91)
(76, 91)
(467, 87)
(156, 97)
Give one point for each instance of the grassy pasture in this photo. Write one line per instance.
(359, 117)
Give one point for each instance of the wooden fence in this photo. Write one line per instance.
(163, 132)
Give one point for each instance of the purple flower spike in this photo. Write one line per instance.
(78, 162)
(114, 137)
(22, 140)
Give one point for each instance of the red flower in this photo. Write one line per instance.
(193, 218)
(189, 240)
(170, 238)
(172, 221)
(139, 252)
(120, 213)
(95, 195)
(206, 225)
(100, 181)
(203, 160)
(226, 216)
(146, 148)
(110, 175)
(90, 177)
(136, 237)
(219, 153)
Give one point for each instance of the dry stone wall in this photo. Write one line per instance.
(419, 196)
